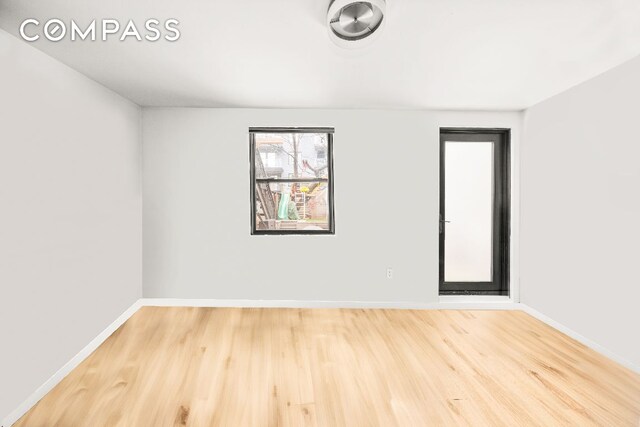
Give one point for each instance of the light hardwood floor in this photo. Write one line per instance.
(329, 367)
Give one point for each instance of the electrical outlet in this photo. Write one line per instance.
(389, 273)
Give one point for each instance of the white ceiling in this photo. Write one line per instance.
(451, 54)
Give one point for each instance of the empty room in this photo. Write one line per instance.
(319, 213)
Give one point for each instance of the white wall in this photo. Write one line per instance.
(580, 245)
(70, 215)
(197, 241)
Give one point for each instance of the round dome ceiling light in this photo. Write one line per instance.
(354, 23)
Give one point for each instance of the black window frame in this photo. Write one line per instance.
(329, 180)
(500, 285)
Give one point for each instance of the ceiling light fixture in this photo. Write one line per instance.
(354, 23)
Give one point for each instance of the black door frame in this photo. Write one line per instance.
(501, 210)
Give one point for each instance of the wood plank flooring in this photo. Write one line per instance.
(329, 367)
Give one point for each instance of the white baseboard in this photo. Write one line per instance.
(69, 366)
(406, 305)
(580, 338)
(503, 299)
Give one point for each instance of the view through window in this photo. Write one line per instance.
(292, 181)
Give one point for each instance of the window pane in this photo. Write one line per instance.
(292, 206)
(468, 207)
(294, 155)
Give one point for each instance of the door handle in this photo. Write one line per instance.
(442, 222)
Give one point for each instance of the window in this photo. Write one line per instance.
(269, 159)
(291, 180)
